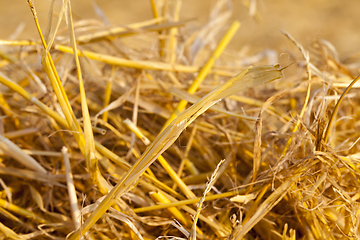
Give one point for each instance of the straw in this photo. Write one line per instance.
(247, 78)
(291, 146)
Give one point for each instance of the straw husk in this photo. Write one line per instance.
(117, 132)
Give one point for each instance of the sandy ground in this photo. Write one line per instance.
(334, 20)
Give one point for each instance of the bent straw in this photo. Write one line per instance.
(328, 127)
(205, 70)
(54, 115)
(250, 77)
(89, 148)
(86, 147)
(174, 176)
(240, 231)
(51, 72)
(307, 98)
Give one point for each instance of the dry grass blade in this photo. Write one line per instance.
(32, 175)
(250, 77)
(209, 185)
(51, 72)
(184, 95)
(75, 212)
(10, 233)
(333, 115)
(241, 230)
(162, 199)
(15, 152)
(205, 70)
(89, 148)
(186, 202)
(126, 220)
(174, 176)
(306, 56)
(292, 153)
(21, 211)
(129, 63)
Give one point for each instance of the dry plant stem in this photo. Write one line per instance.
(258, 103)
(161, 198)
(5, 106)
(129, 63)
(32, 175)
(331, 120)
(186, 154)
(308, 92)
(58, 89)
(23, 212)
(51, 40)
(322, 203)
(139, 64)
(86, 147)
(184, 95)
(75, 212)
(135, 113)
(21, 133)
(209, 185)
(174, 176)
(218, 228)
(159, 185)
(255, 205)
(126, 166)
(154, 9)
(116, 31)
(106, 152)
(205, 70)
(9, 233)
(12, 150)
(240, 231)
(15, 87)
(258, 135)
(187, 202)
(133, 128)
(156, 15)
(172, 42)
(107, 96)
(18, 42)
(296, 128)
(250, 77)
(12, 217)
(118, 134)
(146, 29)
(162, 41)
(89, 148)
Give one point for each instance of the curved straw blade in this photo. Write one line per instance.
(250, 77)
(328, 127)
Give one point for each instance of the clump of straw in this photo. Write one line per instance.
(116, 132)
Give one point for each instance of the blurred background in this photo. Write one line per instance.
(334, 20)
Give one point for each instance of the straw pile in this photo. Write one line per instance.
(105, 134)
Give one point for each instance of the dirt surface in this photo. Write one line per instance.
(334, 20)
